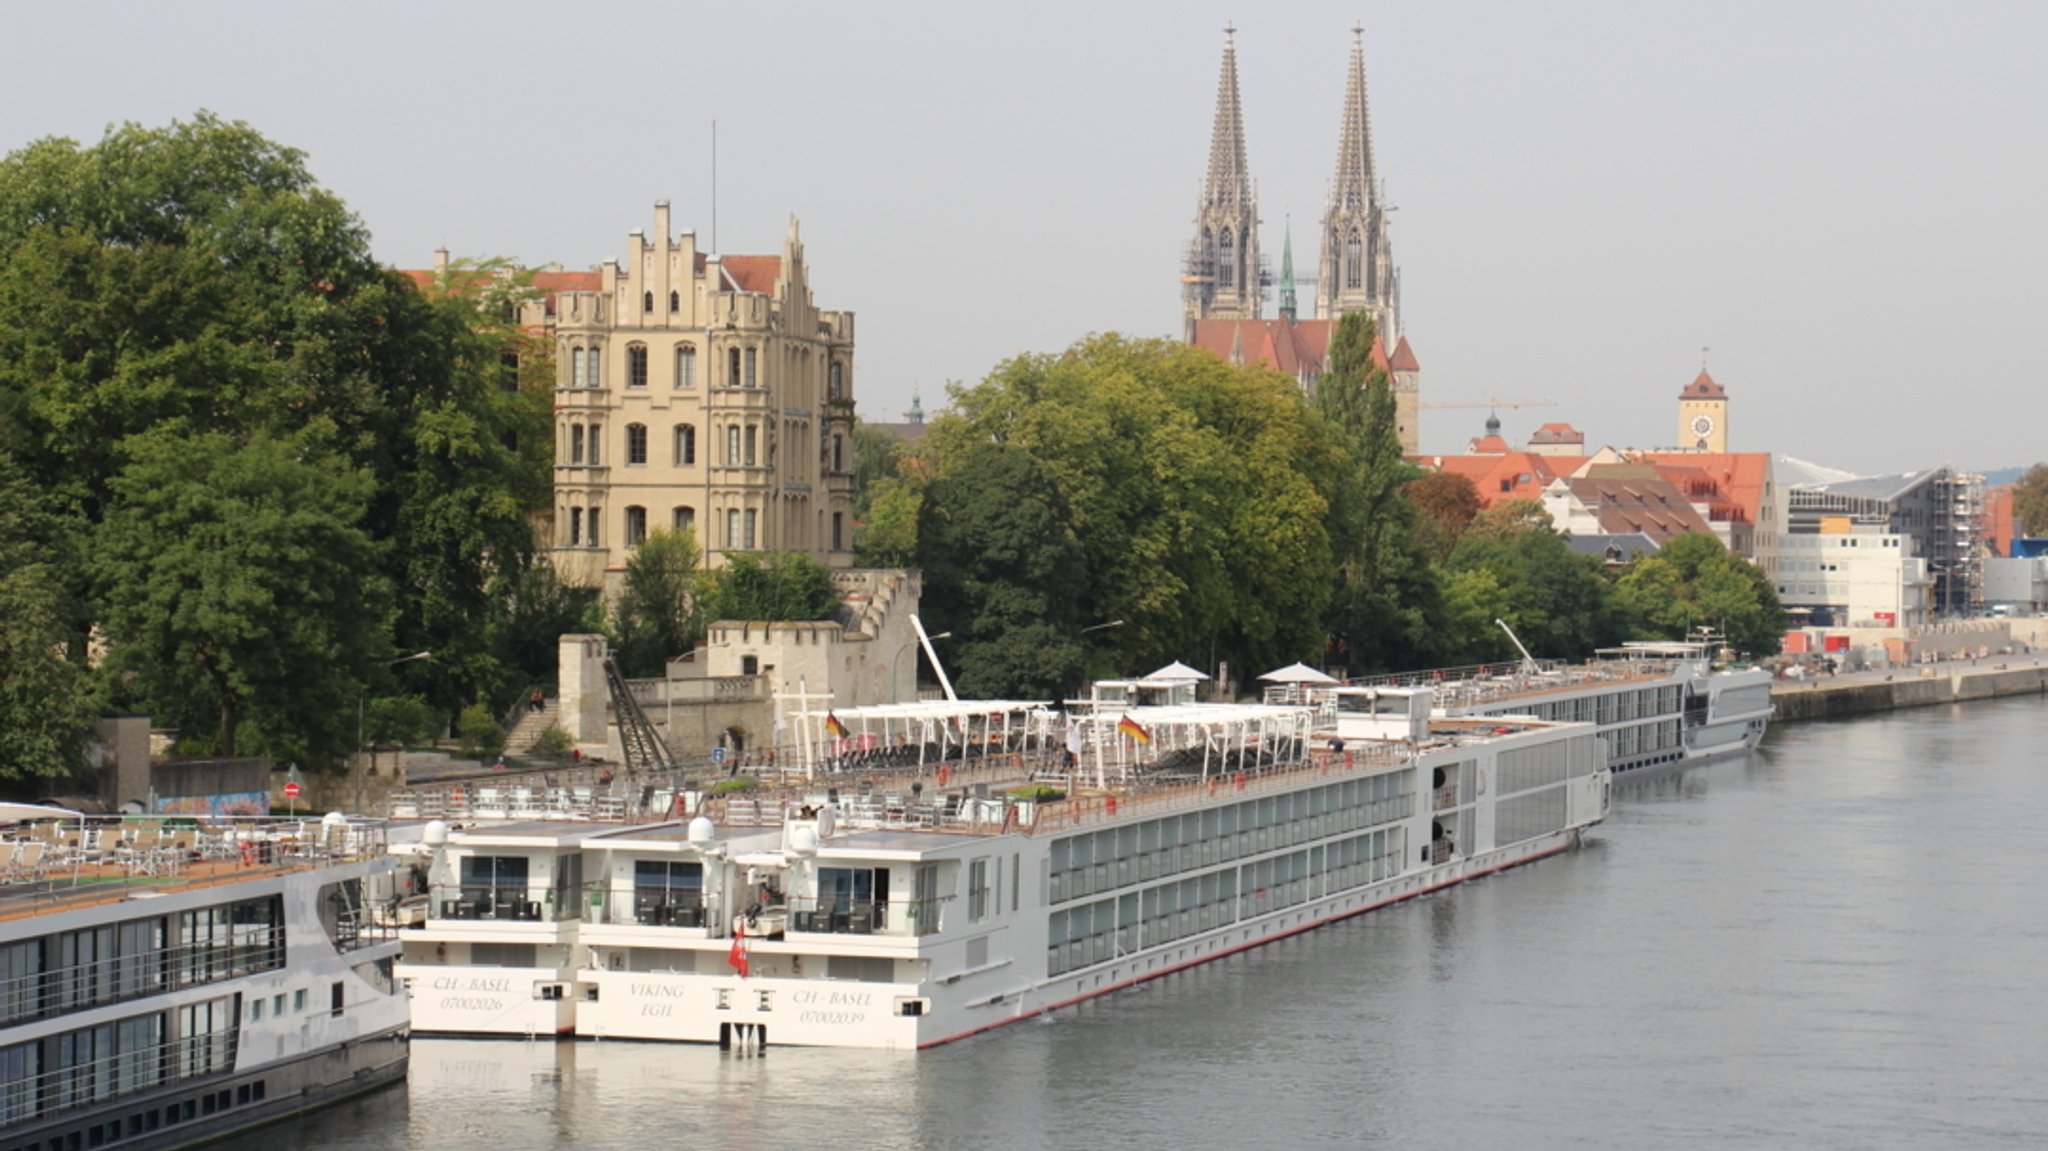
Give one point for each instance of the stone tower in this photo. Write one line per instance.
(1221, 277)
(1357, 262)
(1703, 415)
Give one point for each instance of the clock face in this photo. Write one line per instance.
(1703, 425)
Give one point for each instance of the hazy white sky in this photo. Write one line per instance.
(1844, 200)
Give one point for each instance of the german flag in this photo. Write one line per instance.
(1132, 728)
(833, 725)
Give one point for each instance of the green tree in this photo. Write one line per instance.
(241, 589)
(46, 701)
(530, 611)
(659, 613)
(2030, 502)
(1556, 599)
(774, 586)
(1387, 610)
(1196, 489)
(1004, 573)
(1696, 582)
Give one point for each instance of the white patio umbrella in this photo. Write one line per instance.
(1176, 671)
(1297, 673)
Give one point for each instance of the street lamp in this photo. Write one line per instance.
(1102, 626)
(362, 697)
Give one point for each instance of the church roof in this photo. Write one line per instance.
(1230, 182)
(1703, 387)
(1294, 347)
(1404, 357)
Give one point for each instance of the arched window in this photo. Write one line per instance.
(575, 443)
(591, 374)
(675, 302)
(750, 529)
(647, 301)
(835, 387)
(686, 519)
(686, 366)
(593, 436)
(838, 453)
(686, 445)
(575, 527)
(575, 367)
(1354, 262)
(751, 438)
(636, 444)
(1226, 260)
(732, 529)
(732, 368)
(636, 365)
(590, 516)
(636, 525)
(732, 446)
(750, 367)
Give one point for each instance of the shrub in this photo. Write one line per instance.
(480, 733)
(1038, 793)
(554, 743)
(728, 786)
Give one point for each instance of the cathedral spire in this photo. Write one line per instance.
(1221, 276)
(1230, 181)
(1353, 186)
(1287, 272)
(1356, 272)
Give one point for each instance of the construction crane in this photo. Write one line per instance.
(1493, 403)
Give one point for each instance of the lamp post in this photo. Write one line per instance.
(362, 698)
(1102, 626)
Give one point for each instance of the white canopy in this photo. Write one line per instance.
(1176, 671)
(25, 812)
(1296, 673)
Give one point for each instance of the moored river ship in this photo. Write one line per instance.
(934, 870)
(164, 983)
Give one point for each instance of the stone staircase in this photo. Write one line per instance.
(526, 732)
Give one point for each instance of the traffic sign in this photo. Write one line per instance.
(291, 790)
(717, 756)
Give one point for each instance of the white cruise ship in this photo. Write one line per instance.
(935, 870)
(165, 982)
(1652, 703)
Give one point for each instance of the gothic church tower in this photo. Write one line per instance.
(1357, 272)
(1221, 278)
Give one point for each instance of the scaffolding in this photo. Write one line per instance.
(1959, 543)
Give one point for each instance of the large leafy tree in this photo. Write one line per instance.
(243, 592)
(1386, 611)
(659, 612)
(1696, 582)
(195, 281)
(46, 704)
(2030, 501)
(1195, 489)
(1553, 597)
(1004, 573)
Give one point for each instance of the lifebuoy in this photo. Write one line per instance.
(945, 774)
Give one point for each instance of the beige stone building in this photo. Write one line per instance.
(699, 391)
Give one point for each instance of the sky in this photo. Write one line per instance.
(1841, 200)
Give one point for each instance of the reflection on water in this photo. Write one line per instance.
(1833, 942)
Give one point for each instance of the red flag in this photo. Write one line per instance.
(737, 957)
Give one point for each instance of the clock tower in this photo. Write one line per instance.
(1703, 415)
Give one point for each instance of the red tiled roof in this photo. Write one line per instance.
(1731, 483)
(1404, 358)
(1379, 354)
(1703, 387)
(1558, 434)
(1624, 503)
(752, 273)
(1490, 445)
(1295, 348)
(1511, 475)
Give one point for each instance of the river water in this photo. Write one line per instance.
(1827, 944)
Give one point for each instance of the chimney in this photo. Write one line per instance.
(661, 222)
